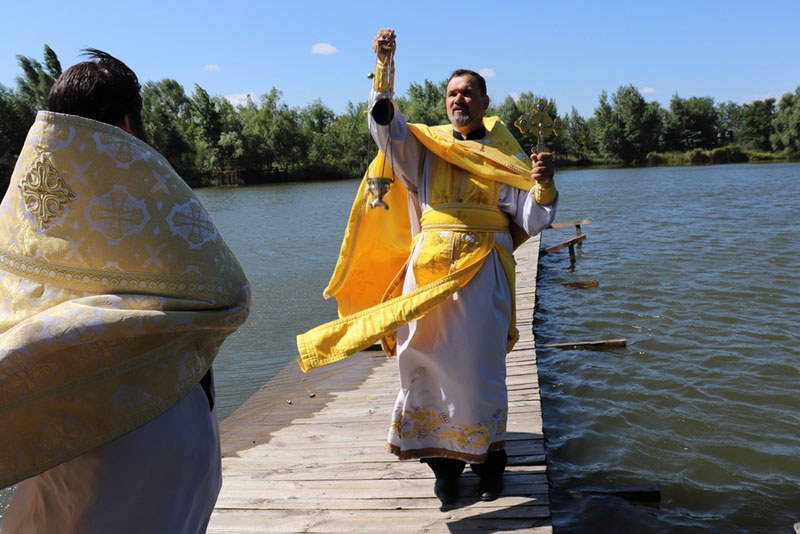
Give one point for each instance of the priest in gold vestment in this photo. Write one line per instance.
(116, 292)
(465, 194)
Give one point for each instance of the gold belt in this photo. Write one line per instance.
(464, 217)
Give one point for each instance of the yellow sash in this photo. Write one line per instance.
(497, 157)
(367, 281)
(116, 292)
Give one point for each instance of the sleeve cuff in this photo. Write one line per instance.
(383, 82)
(545, 195)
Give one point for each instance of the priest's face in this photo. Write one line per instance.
(465, 103)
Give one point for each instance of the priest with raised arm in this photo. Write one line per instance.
(467, 194)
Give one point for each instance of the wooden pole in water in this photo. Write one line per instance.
(620, 343)
(634, 492)
(583, 284)
(576, 224)
(569, 243)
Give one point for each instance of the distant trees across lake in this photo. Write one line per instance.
(264, 139)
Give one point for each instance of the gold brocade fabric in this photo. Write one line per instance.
(464, 195)
(383, 79)
(116, 292)
(374, 247)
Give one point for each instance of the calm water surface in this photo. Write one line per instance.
(698, 269)
(287, 238)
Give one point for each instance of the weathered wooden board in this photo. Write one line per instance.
(570, 223)
(569, 243)
(327, 469)
(465, 520)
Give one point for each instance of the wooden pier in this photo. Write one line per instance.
(329, 471)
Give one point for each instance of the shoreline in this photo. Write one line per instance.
(564, 166)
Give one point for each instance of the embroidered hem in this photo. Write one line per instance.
(432, 452)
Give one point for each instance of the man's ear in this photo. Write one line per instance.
(485, 102)
(125, 124)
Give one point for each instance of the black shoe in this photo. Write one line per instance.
(446, 489)
(491, 488)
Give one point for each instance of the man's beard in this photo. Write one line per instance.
(460, 119)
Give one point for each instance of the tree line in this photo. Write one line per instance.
(264, 139)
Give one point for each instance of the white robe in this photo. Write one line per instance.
(453, 400)
(163, 477)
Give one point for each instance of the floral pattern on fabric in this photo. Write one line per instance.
(421, 427)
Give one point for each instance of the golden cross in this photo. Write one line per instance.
(540, 124)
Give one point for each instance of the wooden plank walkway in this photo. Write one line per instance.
(330, 471)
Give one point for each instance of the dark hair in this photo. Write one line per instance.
(103, 89)
(467, 72)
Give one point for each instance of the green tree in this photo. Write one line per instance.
(166, 117)
(577, 137)
(276, 137)
(628, 127)
(425, 103)
(316, 117)
(18, 109)
(507, 111)
(345, 148)
(15, 120)
(786, 124)
(35, 83)
(205, 129)
(231, 145)
(257, 153)
(730, 119)
(756, 125)
(691, 123)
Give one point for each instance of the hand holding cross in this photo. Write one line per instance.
(541, 124)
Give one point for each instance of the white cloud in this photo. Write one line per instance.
(323, 49)
(515, 96)
(648, 91)
(211, 67)
(240, 99)
(487, 73)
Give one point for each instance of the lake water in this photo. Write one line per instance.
(287, 238)
(698, 269)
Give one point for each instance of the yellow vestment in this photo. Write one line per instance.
(116, 292)
(367, 281)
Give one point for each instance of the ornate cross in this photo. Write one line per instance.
(540, 124)
(45, 192)
(198, 223)
(117, 216)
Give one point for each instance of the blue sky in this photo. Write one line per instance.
(568, 50)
